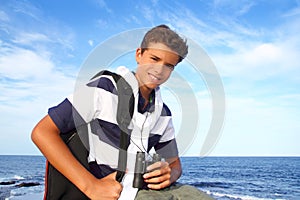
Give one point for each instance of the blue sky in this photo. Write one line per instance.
(255, 46)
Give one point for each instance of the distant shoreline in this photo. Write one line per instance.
(31, 196)
(194, 156)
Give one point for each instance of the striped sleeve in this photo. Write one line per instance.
(62, 116)
(82, 106)
(167, 146)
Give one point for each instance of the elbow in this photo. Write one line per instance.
(42, 129)
(35, 134)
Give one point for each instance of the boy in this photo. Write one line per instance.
(151, 125)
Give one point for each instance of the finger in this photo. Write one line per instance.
(158, 172)
(156, 165)
(116, 190)
(158, 179)
(114, 196)
(111, 176)
(120, 187)
(152, 174)
(159, 186)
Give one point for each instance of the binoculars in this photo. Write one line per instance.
(141, 164)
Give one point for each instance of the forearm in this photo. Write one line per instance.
(46, 136)
(176, 169)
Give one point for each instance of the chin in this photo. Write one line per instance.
(151, 86)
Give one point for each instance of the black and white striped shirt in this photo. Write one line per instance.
(96, 103)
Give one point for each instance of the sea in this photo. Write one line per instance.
(224, 178)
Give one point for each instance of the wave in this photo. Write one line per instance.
(212, 184)
(20, 184)
(215, 188)
(11, 178)
(17, 186)
(17, 177)
(218, 195)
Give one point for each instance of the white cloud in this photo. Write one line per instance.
(258, 127)
(24, 24)
(28, 76)
(101, 23)
(33, 73)
(27, 8)
(4, 16)
(29, 84)
(30, 38)
(132, 19)
(148, 13)
(258, 62)
(215, 30)
(20, 63)
(102, 4)
(264, 53)
(292, 13)
(91, 43)
(257, 65)
(289, 100)
(154, 2)
(34, 59)
(245, 8)
(235, 8)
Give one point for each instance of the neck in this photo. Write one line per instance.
(145, 92)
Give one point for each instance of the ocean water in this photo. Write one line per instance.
(18, 174)
(245, 177)
(224, 178)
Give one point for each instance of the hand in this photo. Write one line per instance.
(159, 176)
(106, 188)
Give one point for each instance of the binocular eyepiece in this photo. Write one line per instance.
(141, 164)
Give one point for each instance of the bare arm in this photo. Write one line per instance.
(46, 137)
(176, 170)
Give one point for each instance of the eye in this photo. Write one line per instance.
(154, 58)
(171, 67)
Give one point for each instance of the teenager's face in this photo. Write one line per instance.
(155, 65)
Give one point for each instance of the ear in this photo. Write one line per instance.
(138, 55)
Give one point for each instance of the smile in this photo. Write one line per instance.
(154, 78)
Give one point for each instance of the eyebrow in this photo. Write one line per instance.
(167, 64)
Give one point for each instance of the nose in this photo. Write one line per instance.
(159, 68)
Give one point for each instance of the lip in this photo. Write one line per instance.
(153, 78)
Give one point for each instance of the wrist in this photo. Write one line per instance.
(87, 186)
(175, 175)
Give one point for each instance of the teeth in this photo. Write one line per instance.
(153, 77)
